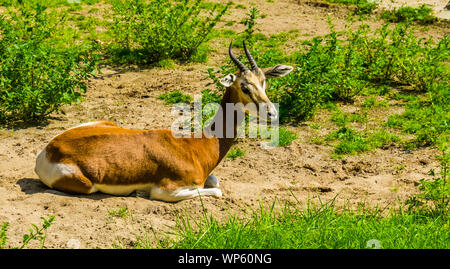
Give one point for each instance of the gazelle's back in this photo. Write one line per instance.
(111, 158)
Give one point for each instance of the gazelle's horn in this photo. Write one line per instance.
(238, 63)
(250, 58)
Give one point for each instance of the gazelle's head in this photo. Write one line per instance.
(249, 85)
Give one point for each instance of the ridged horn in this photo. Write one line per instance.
(250, 58)
(238, 63)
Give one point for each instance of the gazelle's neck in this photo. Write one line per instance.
(226, 141)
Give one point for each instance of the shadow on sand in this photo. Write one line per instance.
(32, 186)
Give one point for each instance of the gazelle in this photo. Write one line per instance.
(101, 156)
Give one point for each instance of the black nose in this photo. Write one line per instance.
(271, 115)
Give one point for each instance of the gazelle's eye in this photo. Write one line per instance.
(245, 89)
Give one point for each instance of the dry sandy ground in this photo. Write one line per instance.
(128, 97)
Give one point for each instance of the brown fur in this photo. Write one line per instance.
(108, 154)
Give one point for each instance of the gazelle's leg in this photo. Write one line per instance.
(182, 193)
(74, 183)
(212, 182)
(62, 176)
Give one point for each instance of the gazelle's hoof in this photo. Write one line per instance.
(211, 182)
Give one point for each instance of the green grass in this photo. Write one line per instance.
(235, 153)
(341, 118)
(316, 227)
(427, 118)
(285, 137)
(352, 142)
(166, 63)
(422, 14)
(175, 97)
(362, 6)
(371, 102)
(420, 222)
(121, 212)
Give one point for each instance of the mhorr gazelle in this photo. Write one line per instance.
(101, 156)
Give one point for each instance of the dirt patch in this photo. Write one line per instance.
(128, 97)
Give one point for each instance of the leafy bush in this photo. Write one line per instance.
(250, 23)
(351, 141)
(150, 31)
(339, 66)
(175, 97)
(422, 14)
(41, 65)
(362, 6)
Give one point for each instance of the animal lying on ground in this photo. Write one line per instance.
(101, 156)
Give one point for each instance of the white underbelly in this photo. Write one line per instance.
(122, 189)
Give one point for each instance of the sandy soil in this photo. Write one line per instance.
(128, 97)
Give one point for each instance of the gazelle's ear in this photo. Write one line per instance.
(228, 80)
(278, 71)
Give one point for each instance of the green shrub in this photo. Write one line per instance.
(175, 97)
(250, 23)
(235, 153)
(362, 6)
(149, 31)
(434, 196)
(341, 118)
(285, 137)
(41, 65)
(422, 14)
(341, 65)
(351, 141)
(427, 117)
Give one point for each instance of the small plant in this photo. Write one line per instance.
(362, 6)
(3, 237)
(341, 119)
(36, 233)
(250, 23)
(285, 137)
(422, 14)
(434, 197)
(351, 141)
(235, 153)
(119, 213)
(426, 117)
(175, 97)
